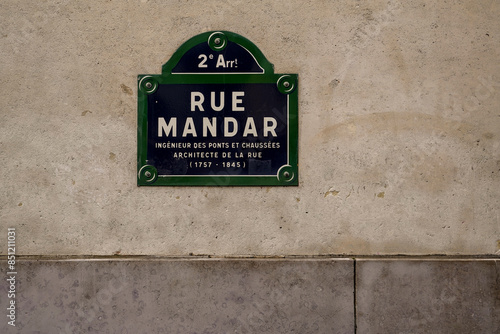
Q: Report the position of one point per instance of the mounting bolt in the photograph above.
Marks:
(147, 173)
(286, 174)
(217, 41)
(148, 85)
(286, 84)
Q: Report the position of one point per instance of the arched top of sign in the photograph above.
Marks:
(218, 52)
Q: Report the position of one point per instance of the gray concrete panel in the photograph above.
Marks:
(415, 296)
(182, 296)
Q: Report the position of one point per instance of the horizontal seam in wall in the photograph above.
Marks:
(254, 257)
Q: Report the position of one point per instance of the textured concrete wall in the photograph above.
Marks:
(427, 296)
(399, 128)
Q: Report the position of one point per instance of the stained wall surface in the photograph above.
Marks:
(183, 296)
(399, 107)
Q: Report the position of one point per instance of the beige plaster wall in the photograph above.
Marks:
(399, 129)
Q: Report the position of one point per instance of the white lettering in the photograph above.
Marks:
(250, 128)
(212, 127)
(270, 128)
(212, 101)
(197, 103)
(203, 61)
(228, 133)
(220, 61)
(237, 101)
(167, 128)
(189, 128)
(209, 127)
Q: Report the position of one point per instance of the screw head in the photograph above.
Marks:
(217, 41)
(286, 174)
(286, 84)
(148, 85)
(147, 174)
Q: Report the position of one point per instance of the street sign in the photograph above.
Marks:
(217, 116)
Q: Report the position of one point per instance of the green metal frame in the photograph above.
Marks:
(286, 83)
